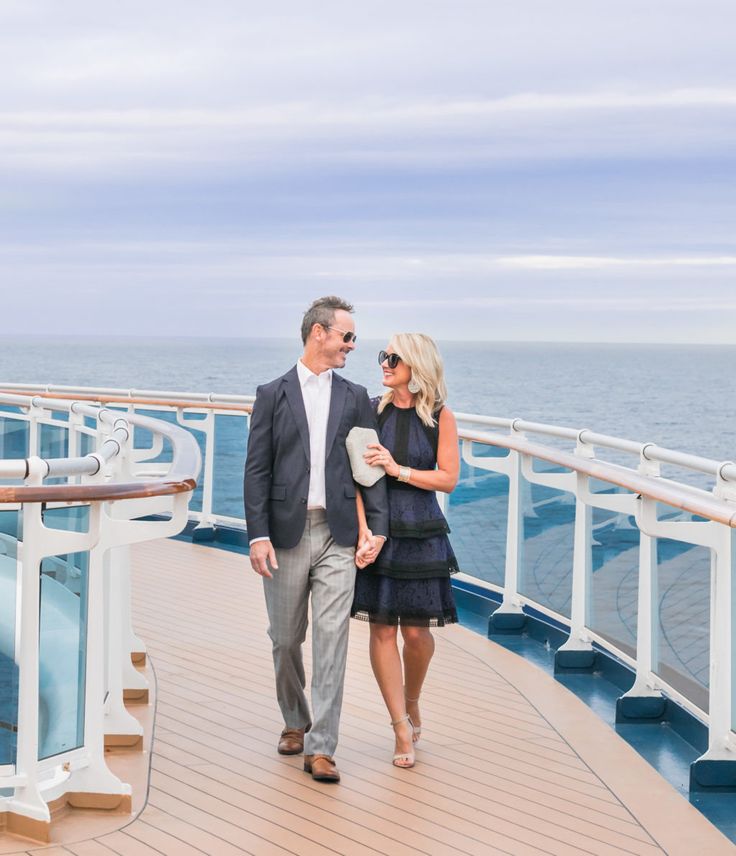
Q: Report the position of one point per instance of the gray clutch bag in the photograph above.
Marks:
(357, 444)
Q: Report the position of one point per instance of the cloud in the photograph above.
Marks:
(592, 263)
(533, 125)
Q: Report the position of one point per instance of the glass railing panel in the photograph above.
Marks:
(231, 439)
(8, 666)
(477, 513)
(87, 444)
(13, 437)
(614, 584)
(548, 518)
(53, 443)
(62, 643)
(683, 629)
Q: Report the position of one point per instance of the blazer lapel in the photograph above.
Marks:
(337, 405)
(296, 403)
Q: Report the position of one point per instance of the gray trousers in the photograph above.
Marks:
(322, 568)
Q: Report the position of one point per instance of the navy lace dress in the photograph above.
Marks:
(409, 583)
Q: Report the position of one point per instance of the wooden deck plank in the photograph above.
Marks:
(163, 842)
(125, 845)
(203, 837)
(51, 851)
(223, 822)
(89, 848)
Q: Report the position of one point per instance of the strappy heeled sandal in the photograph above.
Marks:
(404, 760)
(417, 729)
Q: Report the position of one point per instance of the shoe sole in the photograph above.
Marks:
(290, 751)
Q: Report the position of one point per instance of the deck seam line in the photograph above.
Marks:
(142, 822)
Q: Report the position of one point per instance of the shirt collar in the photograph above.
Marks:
(308, 376)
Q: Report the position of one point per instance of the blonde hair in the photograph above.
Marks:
(420, 353)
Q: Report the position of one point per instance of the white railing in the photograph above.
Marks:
(660, 508)
(46, 631)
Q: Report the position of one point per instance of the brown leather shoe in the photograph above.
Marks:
(322, 768)
(291, 741)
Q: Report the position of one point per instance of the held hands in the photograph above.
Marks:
(378, 454)
(262, 555)
(369, 546)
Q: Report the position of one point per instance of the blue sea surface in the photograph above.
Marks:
(679, 396)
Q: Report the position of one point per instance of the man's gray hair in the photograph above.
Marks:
(322, 312)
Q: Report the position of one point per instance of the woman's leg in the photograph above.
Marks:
(418, 651)
(386, 663)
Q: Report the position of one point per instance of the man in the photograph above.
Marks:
(302, 524)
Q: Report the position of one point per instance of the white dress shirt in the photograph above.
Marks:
(316, 392)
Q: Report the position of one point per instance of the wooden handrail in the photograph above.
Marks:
(95, 492)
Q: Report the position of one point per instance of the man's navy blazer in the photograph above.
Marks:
(278, 461)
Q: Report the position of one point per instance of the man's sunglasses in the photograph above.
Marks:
(347, 336)
(391, 359)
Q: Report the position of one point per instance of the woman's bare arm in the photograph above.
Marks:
(445, 476)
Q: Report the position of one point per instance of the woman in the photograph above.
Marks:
(408, 584)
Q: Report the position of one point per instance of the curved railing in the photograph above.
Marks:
(626, 546)
(75, 493)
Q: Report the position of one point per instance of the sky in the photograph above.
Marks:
(475, 169)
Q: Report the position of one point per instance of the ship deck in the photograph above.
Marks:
(510, 761)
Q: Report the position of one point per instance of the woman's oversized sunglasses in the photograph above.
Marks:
(392, 360)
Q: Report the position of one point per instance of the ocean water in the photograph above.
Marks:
(680, 396)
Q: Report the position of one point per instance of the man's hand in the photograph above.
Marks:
(364, 543)
(368, 550)
(262, 555)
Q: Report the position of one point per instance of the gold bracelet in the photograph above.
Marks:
(404, 474)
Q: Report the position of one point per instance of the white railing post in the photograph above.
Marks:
(644, 701)
(121, 728)
(205, 529)
(717, 766)
(509, 617)
(135, 686)
(92, 784)
(576, 652)
(34, 433)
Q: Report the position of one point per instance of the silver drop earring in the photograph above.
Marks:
(413, 386)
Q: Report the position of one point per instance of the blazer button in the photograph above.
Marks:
(303, 500)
